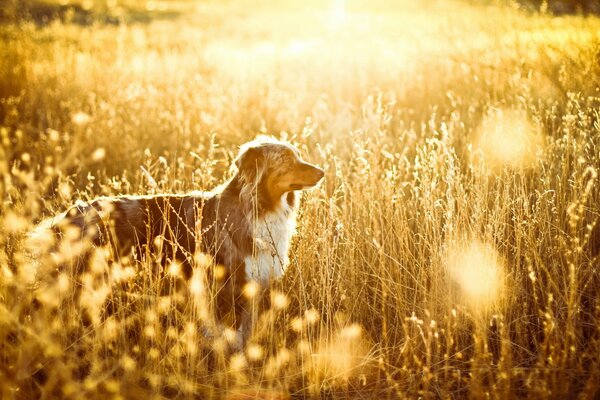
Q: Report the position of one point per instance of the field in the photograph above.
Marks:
(452, 250)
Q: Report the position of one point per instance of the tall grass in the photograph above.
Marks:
(461, 146)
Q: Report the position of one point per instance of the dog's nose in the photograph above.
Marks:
(320, 173)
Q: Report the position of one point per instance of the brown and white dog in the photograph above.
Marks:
(246, 224)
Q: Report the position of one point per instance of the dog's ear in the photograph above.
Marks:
(248, 158)
(250, 164)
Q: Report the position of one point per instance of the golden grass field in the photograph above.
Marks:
(452, 250)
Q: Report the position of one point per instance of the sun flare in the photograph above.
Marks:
(476, 268)
(508, 138)
(338, 16)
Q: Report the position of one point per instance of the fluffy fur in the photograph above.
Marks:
(245, 225)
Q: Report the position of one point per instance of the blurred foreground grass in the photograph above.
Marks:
(461, 145)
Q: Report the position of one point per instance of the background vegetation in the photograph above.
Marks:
(452, 250)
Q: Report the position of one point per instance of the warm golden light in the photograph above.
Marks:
(255, 352)
(477, 269)
(174, 269)
(451, 249)
(506, 137)
(338, 16)
(342, 356)
(99, 154)
(251, 289)
(120, 273)
(197, 284)
(279, 300)
(80, 118)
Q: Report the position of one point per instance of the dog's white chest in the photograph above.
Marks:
(272, 241)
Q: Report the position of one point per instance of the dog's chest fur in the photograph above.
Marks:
(272, 235)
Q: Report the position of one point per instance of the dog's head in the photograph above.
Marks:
(271, 165)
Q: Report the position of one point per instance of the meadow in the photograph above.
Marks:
(452, 250)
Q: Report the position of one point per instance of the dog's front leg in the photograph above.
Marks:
(245, 329)
(248, 318)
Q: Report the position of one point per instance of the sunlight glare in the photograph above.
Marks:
(477, 270)
(342, 355)
(508, 138)
(174, 269)
(251, 289)
(80, 118)
(197, 285)
(338, 16)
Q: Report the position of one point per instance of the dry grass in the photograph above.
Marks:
(452, 250)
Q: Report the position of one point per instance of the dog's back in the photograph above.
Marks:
(163, 225)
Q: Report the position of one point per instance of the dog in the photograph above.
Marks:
(245, 225)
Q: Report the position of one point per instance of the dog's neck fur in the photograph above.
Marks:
(272, 235)
(271, 224)
(251, 231)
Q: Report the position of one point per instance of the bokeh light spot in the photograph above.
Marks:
(507, 138)
(477, 269)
